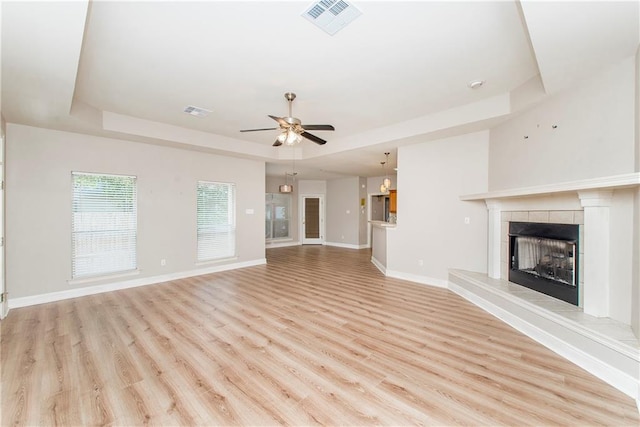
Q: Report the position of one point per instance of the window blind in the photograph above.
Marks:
(216, 224)
(104, 224)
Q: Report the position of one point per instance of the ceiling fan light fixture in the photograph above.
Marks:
(292, 137)
(292, 131)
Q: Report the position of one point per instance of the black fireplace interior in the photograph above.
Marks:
(544, 257)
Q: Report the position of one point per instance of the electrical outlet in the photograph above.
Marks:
(467, 220)
(163, 262)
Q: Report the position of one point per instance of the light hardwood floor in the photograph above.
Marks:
(317, 336)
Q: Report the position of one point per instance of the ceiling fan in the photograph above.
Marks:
(292, 128)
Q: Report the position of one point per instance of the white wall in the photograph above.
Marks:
(621, 256)
(312, 187)
(635, 291)
(4, 306)
(431, 228)
(635, 269)
(594, 137)
(343, 211)
(363, 221)
(38, 217)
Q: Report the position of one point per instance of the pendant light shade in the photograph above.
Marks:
(383, 188)
(285, 188)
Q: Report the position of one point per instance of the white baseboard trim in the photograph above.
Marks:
(114, 286)
(345, 245)
(423, 280)
(624, 382)
(281, 244)
(379, 265)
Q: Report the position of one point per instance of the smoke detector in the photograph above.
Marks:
(331, 15)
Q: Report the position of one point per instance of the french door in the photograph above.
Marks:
(312, 220)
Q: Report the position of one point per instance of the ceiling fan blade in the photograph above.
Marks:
(277, 143)
(255, 130)
(313, 138)
(318, 127)
(280, 120)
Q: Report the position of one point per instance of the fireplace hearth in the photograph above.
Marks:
(544, 257)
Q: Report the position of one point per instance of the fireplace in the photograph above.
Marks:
(544, 257)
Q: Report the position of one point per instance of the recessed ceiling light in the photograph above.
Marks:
(475, 84)
(196, 111)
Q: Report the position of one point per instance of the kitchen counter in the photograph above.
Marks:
(379, 230)
(382, 224)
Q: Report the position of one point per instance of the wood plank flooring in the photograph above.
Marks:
(316, 337)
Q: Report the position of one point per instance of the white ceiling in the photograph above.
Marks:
(396, 75)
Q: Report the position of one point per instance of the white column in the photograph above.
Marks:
(596, 259)
(493, 238)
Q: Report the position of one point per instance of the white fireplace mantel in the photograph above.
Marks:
(604, 183)
(594, 197)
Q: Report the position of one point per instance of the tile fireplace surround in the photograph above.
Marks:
(584, 334)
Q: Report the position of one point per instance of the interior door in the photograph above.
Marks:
(312, 220)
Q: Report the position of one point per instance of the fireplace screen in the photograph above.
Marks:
(548, 258)
(544, 257)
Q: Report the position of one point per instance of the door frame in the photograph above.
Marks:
(321, 213)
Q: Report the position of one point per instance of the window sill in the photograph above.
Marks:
(89, 279)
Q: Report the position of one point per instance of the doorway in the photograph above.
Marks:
(312, 220)
(378, 210)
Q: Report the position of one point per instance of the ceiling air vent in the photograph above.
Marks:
(331, 15)
(196, 111)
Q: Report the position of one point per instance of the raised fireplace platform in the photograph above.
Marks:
(606, 348)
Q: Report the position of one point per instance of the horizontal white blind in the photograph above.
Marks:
(216, 225)
(104, 224)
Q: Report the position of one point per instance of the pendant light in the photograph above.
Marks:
(386, 182)
(383, 188)
(286, 188)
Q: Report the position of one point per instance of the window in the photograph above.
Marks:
(278, 214)
(104, 224)
(216, 220)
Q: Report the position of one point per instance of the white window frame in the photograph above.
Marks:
(216, 240)
(103, 236)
